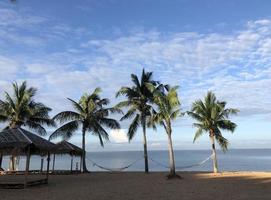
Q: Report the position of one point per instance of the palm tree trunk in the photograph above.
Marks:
(145, 148)
(12, 165)
(171, 154)
(84, 151)
(12, 161)
(212, 137)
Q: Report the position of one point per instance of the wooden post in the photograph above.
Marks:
(54, 159)
(41, 164)
(27, 166)
(71, 162)
(81, 163)
(1, 160)
(48, 166)
(12, 163)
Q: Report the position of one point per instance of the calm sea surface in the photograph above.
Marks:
(233, 160)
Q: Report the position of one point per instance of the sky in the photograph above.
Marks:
(67, 48)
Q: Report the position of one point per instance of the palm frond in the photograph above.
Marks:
(36, 127)
(130, 113)
(175, 114)
(133, 127)
(226, 125)
(135, 80)
(124, 104)
(110, 123)
(67, 116)
(198, 133)
(223, 142)
(76, 106)
(99, 131)
(65, 131)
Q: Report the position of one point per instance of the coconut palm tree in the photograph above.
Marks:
(212, 117)
(90, 115)
(168, 109)
(20, 109)
(138, 101)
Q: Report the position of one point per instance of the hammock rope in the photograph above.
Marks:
(113, 169)
(183, 167)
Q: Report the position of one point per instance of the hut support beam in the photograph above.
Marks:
(27, 166)
(48, 166)
(41, 164)
(1, 160)
(71, 162)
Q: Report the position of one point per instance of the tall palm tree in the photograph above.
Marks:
(212, 116)
(90, 115)
(138, 99)
(168, 109)
(20, 109)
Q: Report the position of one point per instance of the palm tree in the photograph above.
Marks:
(213, 116)
(138, 99)
(168, 109)
(20, 109)
(91, 116)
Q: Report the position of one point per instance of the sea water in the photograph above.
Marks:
(232, 160)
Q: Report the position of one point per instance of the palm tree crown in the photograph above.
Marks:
(168, 106)
(20, 109)
(138, 101)
(212, 116)
(89, 114)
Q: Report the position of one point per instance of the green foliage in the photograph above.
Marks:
(212, 117)
(138, 101)
(168, 106)
(89, 114)
(20, 109)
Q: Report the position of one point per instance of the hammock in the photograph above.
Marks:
(157, 162)
(113, 169)
(183, 167)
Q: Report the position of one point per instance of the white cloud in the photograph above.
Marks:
(230, 64)
(12, 18)
(8, 67)
(119, 136)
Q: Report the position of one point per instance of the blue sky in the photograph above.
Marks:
(66, 48)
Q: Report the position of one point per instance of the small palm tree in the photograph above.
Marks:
(20, 109)
(213, 116)
(168, 109)
(138, 102)
(91, 116)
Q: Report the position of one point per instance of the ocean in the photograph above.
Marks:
(232, 160)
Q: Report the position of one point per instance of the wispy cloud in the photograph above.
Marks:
(235, 65)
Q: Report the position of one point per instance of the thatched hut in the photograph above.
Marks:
(65, 147)
(20, 142)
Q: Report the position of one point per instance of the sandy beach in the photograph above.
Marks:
(137, 185)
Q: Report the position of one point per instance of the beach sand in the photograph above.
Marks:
(154, 186)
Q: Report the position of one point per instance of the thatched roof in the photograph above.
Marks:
(65, 147)
(18, 140)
